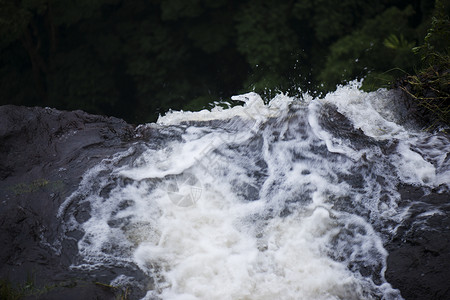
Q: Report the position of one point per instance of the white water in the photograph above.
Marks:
(259, 201)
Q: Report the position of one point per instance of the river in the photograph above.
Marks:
(291, 199)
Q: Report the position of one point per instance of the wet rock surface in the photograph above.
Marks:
(43, 155)
(419, 253)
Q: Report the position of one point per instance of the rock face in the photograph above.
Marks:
(44, 153)
(419, 253)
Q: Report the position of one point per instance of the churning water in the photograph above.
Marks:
(293, 199)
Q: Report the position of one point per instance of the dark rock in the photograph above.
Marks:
(77, 291)
(338, 125)
(419, 253)
(43, 154)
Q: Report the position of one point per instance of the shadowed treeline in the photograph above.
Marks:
(136, 59)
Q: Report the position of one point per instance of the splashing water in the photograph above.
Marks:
(287, 200)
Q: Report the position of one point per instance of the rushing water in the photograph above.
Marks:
(293, 199)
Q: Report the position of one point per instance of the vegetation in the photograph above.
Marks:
(136, 59)
(121, 293)
(29, 289)
(8, 291)
(35, 185)
(428, 90)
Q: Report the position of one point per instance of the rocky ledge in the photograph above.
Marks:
(43, 154)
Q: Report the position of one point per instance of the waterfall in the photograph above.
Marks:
(291, 199)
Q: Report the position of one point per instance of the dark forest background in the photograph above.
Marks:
(136, 59)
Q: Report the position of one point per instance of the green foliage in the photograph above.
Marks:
(35, 185)
(29, 289)
(121, 293)
(137, 59)
(330, 20)
(9, 291)
(69, 12)
(174, 9)
(437, 41)
(373, 48)
(211, 38)
(269, 44)
(263, 34)
(13, 22)
(429, 88)
(398, 43)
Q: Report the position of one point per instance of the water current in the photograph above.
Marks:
(291, 199)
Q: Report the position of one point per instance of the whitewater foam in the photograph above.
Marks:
(267, 202)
